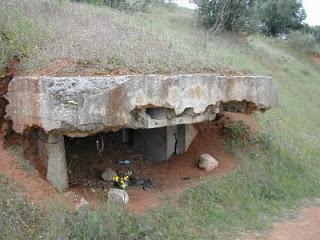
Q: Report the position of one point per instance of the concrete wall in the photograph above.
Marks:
(159, 144)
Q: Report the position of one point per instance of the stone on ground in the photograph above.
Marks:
(108, 175)
(207, 162)
(82, 205)
(118, 195)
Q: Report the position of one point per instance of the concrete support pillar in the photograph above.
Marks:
(126, 136)
(156, 144)
(42, 147)
(185, 135)
(57, 173)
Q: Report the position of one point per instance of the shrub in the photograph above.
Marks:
(280, 16)
(230, 15)
(271, 17)
(301, 42)
(316, 33)
(239, 136)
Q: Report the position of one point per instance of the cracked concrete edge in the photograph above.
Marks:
(80, 106)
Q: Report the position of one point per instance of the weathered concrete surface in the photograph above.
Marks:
(57, 164)
(155, 144)
(185, 136)
(80, 106)
(159, 144)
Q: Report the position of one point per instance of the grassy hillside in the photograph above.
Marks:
(166, 39)
(280, 170)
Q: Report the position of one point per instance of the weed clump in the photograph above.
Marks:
(239, 136)
(20, 36)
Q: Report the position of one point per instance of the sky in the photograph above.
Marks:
(312, 8)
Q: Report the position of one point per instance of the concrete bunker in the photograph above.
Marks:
(151, 113)
(56, 151)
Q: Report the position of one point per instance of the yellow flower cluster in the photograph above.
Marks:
(122, 181)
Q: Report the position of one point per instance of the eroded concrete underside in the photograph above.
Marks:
(158, 110)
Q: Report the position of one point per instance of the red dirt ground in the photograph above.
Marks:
(37, 190)
(304, 227)
(168, 177)
(316, 57)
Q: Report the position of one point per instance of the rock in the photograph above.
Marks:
(82, 205)
(207, 162)
(108, 175)
(118, 195)
(82, 106)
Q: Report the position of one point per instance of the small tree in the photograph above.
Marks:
(230, 15)
(280, 16)
(316, 33)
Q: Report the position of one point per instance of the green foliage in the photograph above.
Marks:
(316, 33)
(280, 16)
(271, 17)
(237, 134)
(302, 42)
(230, 15)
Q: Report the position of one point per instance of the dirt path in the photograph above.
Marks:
(305, 227)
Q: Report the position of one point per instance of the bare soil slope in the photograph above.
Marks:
(305, 227)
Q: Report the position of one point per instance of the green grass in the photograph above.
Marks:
(20, 36)
(164, 40)
(21, 220)
(278, 172)
(270, 181)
